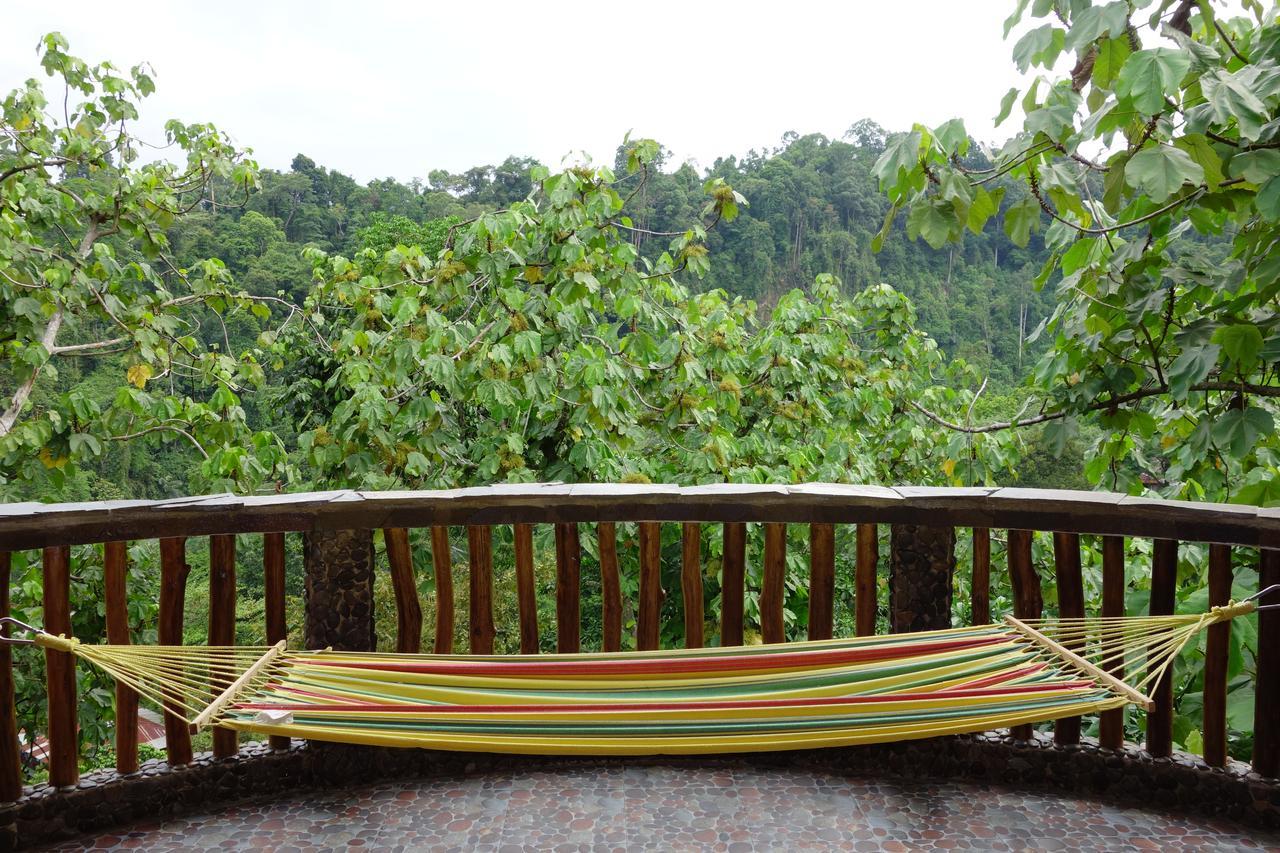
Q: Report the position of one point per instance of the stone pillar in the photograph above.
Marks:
(922, 560)
(339, 590)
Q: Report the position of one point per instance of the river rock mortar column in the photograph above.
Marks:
(922, 561)
(339, 590)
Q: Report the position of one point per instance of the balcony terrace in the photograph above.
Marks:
(1029, 788)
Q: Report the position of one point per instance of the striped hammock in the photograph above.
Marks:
(754, 698)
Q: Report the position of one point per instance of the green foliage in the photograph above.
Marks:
(86, 271)
(537, 343)
(1163, 246)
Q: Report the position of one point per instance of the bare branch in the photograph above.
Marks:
(1100, 405)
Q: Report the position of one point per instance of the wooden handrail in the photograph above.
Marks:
(36, 525)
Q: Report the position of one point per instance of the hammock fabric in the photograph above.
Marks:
(754, 698)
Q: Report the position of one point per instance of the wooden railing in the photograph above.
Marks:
(570, 508)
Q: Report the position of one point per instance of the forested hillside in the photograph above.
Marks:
(813, 207)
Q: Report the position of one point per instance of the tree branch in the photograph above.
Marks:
(20, 397)
(81, 349)
(1109, 403)
(9, 173)
(162, 428)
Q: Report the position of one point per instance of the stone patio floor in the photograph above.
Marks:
(617, 805)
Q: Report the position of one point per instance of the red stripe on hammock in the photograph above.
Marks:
(998, 678)
(778, 660)
(676, 706)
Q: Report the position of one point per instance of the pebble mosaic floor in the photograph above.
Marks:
(630, 806)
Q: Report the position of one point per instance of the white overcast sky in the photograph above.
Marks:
(379, 89)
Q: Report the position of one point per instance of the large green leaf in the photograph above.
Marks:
(933, 220)
(1149, 76)
(1109, 60)
(1191, 367)
(1090, 23)
(1242, 343)
(1268, 199)
(983, 207)
(1161, 171)
(1256, 166)
(1040, 46)
(901, 153)
(1006, 105)
(1020, 218)
(1240, 705)
(1238, 430)
(952, 136)
(1230, 96)
(1199, 149)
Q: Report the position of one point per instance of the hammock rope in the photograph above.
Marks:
(782, 696)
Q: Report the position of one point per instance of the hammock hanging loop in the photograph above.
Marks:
(1232, 609)
(18, 623)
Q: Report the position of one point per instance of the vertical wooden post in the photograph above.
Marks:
(115, 566)
(1217, 644)
(1164, 583)
(1111, 723)
(64, 751)
(480, 553)
(526, 594)
(773, 590)
(1028, 603)
(442, 564)
(1070, 583)
(568, 589)
(222, 624)
(610, 587)
(980, 588)
(1266, 718)
(865, 591)
(733, 581)
(649, 617)
(173, 596)
(273, 583)
(10, 759)
(822, 580)
(405, 588)
(691, 583)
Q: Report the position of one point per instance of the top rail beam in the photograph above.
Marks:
(36, 525)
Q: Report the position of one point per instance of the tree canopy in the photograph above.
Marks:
(1152, 168)
(537, 342)
(86, 271)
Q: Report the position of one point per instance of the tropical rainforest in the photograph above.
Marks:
(1089, 303)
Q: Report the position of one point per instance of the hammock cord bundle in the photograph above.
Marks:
(783, 696)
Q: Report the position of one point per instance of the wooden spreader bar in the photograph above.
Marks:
(1100, 675)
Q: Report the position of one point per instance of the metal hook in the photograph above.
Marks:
(1273, 588)
(13, 641)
